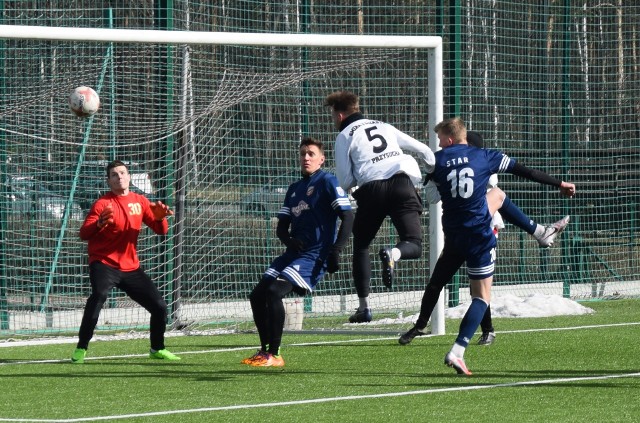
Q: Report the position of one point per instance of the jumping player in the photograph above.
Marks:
(545, 235)
(466, 220)
(369, 155)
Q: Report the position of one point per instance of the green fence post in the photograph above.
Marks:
(4, 312)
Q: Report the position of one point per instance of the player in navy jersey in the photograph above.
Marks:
(307, 225)
(461, 174)
(369, 156)
(512, 214)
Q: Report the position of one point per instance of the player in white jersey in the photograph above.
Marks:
(369, 155)
(467, 213)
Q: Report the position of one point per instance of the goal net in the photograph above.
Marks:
(208, 123)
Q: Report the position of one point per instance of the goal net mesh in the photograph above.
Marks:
(211, 130)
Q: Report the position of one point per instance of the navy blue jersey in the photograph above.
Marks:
(461, 174)
(311, 204)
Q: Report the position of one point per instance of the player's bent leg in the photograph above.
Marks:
(495, 198)
(103, 278)
(275, 293)
(258, 301)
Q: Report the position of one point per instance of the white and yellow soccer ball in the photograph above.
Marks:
(84, 101)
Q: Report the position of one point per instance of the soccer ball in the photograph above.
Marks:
(84, 101)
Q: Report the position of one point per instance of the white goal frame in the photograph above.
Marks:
(434, 70)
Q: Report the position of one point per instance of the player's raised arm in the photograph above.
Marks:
(566, 188)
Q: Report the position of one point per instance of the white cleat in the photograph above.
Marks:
(457, 363)
(551, 232)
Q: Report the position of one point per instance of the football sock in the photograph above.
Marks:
(471, 321)
(514, 215)
(486, 324)
(395, 254)
(364, 303)
(458, 350)
(539, 231)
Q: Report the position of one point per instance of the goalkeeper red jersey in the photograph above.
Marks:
(116, 244)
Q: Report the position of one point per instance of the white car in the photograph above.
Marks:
(27, 198)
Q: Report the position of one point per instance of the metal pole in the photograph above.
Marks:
(4, 204)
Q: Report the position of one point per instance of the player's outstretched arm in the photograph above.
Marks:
(160, 210)
(566, 188)
(156, 220)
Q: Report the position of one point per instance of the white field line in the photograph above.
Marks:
(300, 344)
(325, 400)
(320, 400)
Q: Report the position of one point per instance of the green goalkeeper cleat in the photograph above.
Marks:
(78, 356)
(163, 355)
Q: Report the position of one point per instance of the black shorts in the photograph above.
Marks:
(395, 197)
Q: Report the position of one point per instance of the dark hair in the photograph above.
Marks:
(115, 163)
(312, 141)
(343, 101)
(475, 139)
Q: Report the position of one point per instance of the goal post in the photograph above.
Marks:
(212, 121)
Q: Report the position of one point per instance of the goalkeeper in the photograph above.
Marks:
(111, 228)
(307, 224)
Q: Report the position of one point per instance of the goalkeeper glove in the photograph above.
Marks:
(333, 261)
(160, 210)
(106, 217)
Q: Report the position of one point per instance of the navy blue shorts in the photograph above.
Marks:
(303, 271)
(478, 250)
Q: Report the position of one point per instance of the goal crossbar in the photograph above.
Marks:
(220, 38)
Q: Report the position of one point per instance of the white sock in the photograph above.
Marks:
(395, 254)
(539, 231)
(364, 303)
(458, 350)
